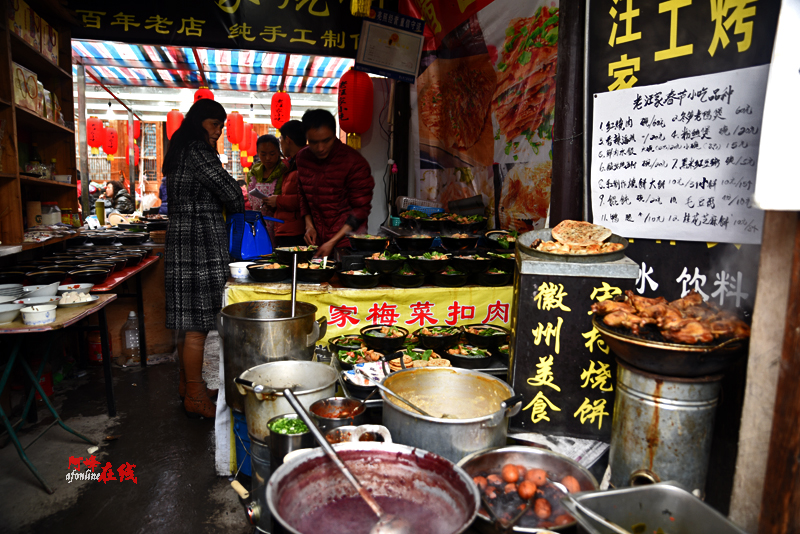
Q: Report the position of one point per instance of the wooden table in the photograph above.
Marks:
(118, 277)
(65, 317)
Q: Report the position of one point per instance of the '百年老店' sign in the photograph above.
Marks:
(678, 160)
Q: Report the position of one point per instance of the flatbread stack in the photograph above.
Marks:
(580, 233)
(578, 237)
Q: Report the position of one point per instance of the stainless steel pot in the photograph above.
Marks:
(263, 331)
(472, 397)
(326, 413)
(262, 386)
(310, 481)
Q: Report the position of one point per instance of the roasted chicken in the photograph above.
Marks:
(688, 320)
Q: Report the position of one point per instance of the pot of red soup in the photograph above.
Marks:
(308, 494)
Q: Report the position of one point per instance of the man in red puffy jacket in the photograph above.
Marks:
(336, 184)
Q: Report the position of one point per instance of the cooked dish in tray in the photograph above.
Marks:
(688, 320)
(578, 237)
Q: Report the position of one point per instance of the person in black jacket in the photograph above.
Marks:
(117, 199)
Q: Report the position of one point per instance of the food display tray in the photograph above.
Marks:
(525, 241)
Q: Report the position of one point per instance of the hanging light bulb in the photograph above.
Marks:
(252, 112)
(109, 114)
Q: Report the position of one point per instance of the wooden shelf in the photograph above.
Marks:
(7, 175)
(29, 57)
(55, 240)
(26, 117)
(47, 183)
(4, 103)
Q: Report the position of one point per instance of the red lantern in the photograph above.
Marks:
(135, 155)
(203, 92)
(174, 120)
(95, 134)
(253, 143)
(280, 109)
(355, 105)
(234, 129)
(245, 164)
(244, 144)
(137, 129)
(110, 143)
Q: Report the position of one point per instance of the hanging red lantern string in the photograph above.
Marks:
(280, 109)
(244, 144)
(355, 105)
(253, 143)
(203, 92)
(174, 120)
(234, 129)
(137, 128)
(95, 134)
(135, 155)
(245, 163)
(110, 143)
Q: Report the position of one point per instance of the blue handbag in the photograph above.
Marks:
(248, 238)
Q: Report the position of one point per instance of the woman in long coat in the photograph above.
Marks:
(196, 263)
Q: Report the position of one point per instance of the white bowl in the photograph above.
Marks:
(36, 301)
(9, 312)
(4, 299)
(63, 178)
(38, 315)
(80, 288)
(41, 291)
(239, 269)
(10, 288)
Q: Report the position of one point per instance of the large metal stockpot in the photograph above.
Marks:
(263, 331)
(662, 428)
(310, 481)
(263, 400)
(471, 397)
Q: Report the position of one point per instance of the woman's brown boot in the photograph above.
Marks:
(196, 402)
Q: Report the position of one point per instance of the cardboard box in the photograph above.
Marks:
(49, 42)
(17, 17)
(26, 87)
(48, 105)
(40, 99)
(33, 36)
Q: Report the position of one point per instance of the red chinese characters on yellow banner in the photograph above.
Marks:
(348, 311)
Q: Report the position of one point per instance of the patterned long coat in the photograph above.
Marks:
(196, 265)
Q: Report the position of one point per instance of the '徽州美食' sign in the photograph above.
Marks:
(311, 27)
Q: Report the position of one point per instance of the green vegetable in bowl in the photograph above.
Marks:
(385, 256)
(406, 270)
(433, 256)
(415, 355)
(413, 214)
(505, 241)
(495, 270)
(288, 426)
(509, 256)
(391, 331)
(451, 271)
(491, 332)
(437, 331)
(467, 351)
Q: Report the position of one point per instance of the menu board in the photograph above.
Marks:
(678, 160)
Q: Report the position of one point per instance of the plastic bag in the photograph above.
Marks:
(148, 201)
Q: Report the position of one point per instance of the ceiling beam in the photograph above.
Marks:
(179, 66)
(200, 67)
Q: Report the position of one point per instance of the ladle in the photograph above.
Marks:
(387, 523)
(294, 282)
(396, 396)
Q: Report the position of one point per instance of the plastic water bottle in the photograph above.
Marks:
(130, 340)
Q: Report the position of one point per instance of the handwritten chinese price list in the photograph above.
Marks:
(562, 366)
(678, 160)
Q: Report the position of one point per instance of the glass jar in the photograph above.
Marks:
(51, 214)
(66, 216)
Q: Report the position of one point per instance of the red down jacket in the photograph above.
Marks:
(335, 191)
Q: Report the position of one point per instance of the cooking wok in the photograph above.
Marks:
(672, 359)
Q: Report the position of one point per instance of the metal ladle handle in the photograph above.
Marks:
(294, 283)
(392, 393)
(301, 411)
